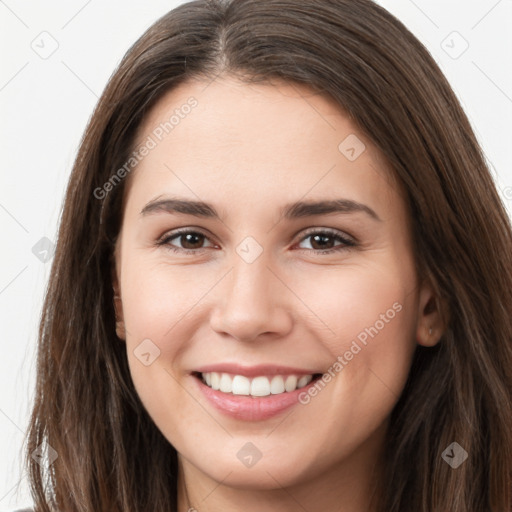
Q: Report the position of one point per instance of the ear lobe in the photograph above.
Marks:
(118, 307)
(120, 328)
(430, 325)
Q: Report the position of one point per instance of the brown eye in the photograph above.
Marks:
(323, 241)
(191, 240)
(188, 241)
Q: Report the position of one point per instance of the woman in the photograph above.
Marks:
(282, 279)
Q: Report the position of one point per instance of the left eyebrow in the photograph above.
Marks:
(294, 210)
(306, 209)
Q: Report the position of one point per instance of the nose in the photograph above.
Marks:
(252, 301)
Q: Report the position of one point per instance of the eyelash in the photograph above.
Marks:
(347, 243)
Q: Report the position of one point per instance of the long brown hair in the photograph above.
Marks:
(110, 455)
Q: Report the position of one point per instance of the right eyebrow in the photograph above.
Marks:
(185, 206)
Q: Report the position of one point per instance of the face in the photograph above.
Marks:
(269, 331)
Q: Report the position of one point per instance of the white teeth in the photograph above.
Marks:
(215, 378)
(241, 385)
(226, 384)
(277, 385)
(258, 386)
(304, 381)
(290, 383)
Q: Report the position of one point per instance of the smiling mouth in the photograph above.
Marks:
(259, 386)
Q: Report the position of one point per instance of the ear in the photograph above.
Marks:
(430, 325)
(118, 303)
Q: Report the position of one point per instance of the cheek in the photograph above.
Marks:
(157, 304)
(370, 315)
(156, 301)
(156, 296)
(359, 303)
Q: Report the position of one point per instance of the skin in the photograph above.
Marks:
(249, 150)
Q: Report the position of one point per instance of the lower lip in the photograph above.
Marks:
(247, 408)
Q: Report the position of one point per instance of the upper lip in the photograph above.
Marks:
(254, 371)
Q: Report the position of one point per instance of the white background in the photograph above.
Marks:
(45, 104)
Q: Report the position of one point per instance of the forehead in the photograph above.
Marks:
(249, 144)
